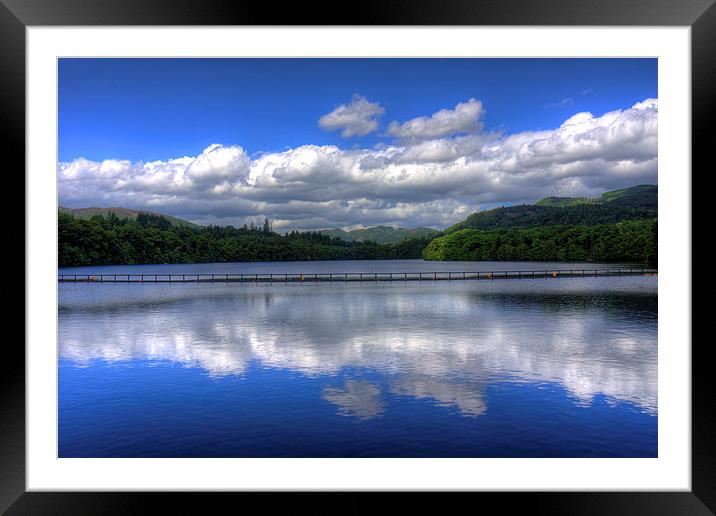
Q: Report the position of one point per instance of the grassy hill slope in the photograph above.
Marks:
(122, 213)
(644, 196)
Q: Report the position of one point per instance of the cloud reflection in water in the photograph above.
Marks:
(443, 342)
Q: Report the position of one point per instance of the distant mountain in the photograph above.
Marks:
(123, 213)
(380, 234)
(635, 203)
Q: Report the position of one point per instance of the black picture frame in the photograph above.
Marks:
(16, 15)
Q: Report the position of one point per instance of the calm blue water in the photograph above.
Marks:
(504, 368)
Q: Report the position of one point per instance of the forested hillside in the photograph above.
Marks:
(635, 203)
(618, 226)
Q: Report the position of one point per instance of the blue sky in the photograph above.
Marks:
(134, 111)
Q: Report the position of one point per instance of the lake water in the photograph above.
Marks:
(504, 368)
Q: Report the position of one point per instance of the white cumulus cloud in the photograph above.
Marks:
(435, 181)
(464, 118)
(357, 118)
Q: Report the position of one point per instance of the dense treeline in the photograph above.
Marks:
(154, 239)
(626, 241)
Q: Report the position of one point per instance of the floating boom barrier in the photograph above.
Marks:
(352, 276)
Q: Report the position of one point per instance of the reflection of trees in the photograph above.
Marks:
(616, 305)
(434, 342)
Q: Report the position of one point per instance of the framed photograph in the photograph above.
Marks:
(417, 250)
